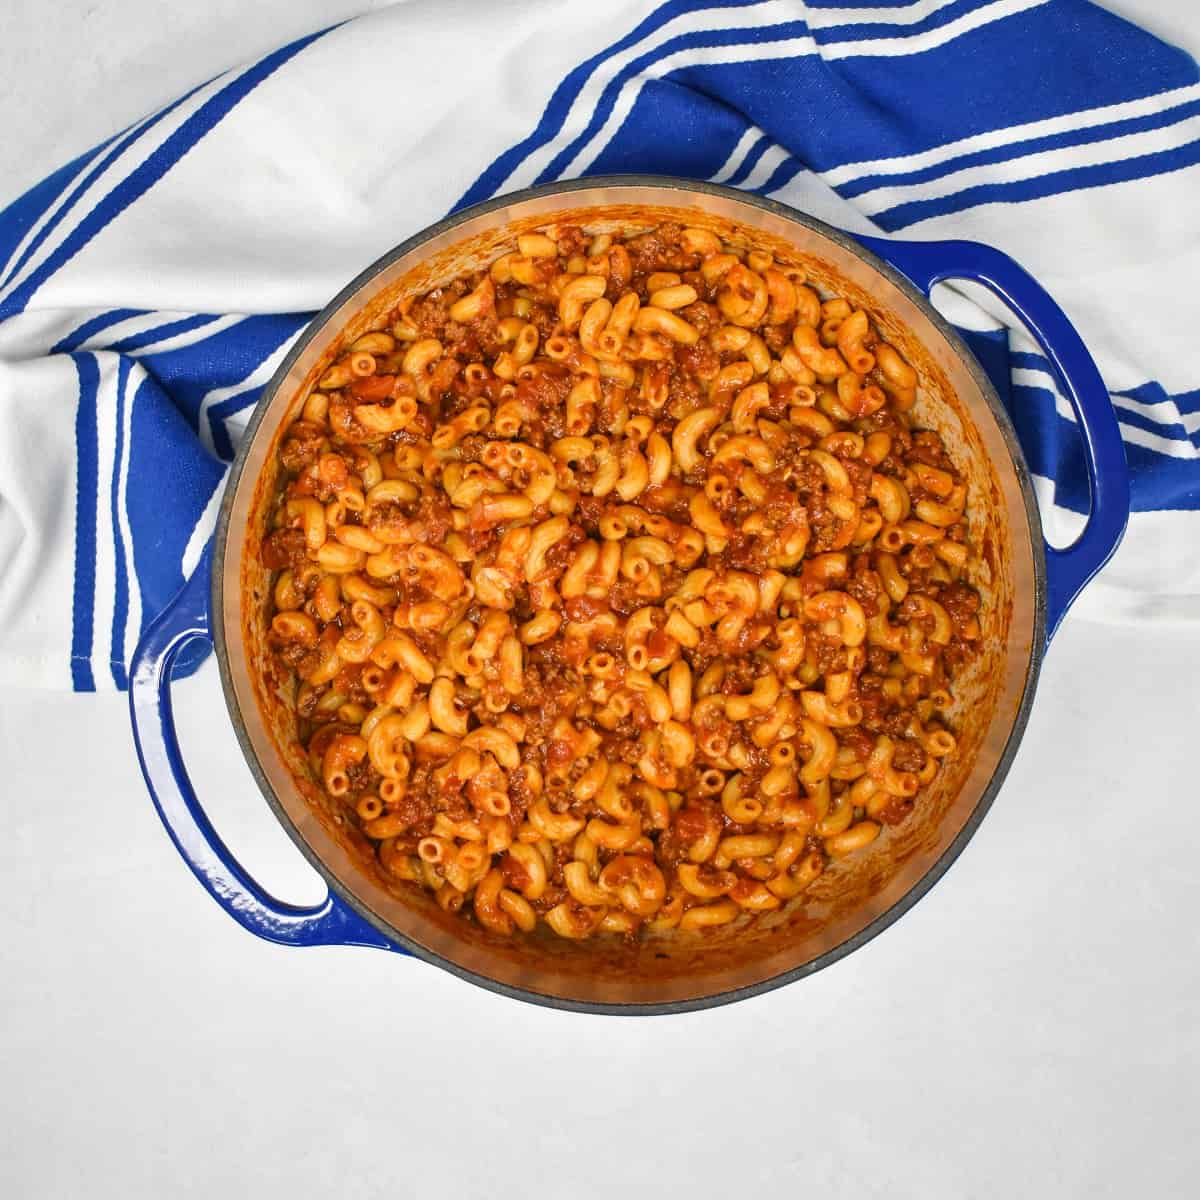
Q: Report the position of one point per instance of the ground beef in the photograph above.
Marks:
(283, 548)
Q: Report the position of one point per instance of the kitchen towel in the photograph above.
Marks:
(149, 289)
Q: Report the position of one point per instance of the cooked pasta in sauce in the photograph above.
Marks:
(620, 589)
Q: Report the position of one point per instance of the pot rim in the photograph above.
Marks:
(683, 188)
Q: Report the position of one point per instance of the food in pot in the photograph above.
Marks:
(620, 590)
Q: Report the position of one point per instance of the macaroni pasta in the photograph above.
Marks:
(620, 589)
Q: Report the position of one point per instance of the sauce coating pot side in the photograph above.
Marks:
(1026, 588)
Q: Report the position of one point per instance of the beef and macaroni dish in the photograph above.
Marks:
(620, 590)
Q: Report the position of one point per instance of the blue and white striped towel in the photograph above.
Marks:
(149, 288)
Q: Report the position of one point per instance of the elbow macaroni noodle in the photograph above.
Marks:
(620, 590)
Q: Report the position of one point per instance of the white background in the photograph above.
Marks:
(1032, 1028)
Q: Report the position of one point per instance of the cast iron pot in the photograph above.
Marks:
(1026, 585)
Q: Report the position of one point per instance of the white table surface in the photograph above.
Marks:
(1031, 1028)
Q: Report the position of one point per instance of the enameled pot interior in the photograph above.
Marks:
(858, 895)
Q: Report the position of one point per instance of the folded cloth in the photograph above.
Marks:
(150, 288)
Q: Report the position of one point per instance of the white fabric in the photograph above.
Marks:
(380, 126)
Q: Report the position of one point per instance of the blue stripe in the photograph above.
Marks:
(1154, 393)
(1015, 70)
(1074, 179)
(1031, 361)
(908, 103)
(704, 133)
(748, 163)
(705, 39)
(997, 154)
(125, 141)
(218, 414)
(87, 473)
(19, 217)
(827, 4)
(865, 30)
(1052, 449)
(559, 105)
(1151, 392)
(161, 332)
(1171, 430)
(170, 479)
(210, 113)
(1159, 483)
(722, 37)
(1052, 444)
(783, 174)
(93, 326)
(116, 655)
(223, 359)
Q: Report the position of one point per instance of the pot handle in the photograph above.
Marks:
(185, 620)
(1067, 569)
